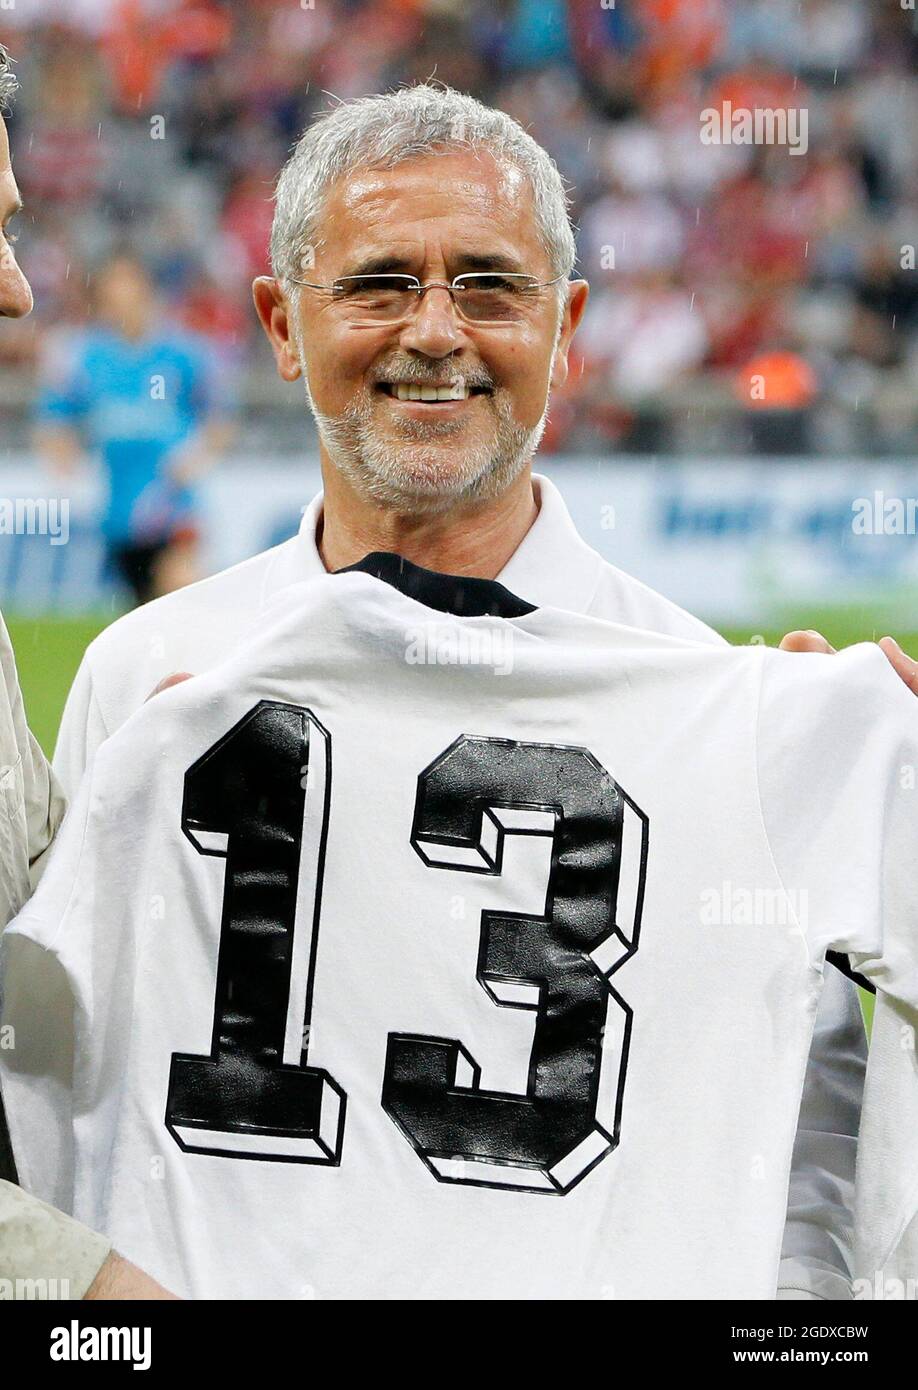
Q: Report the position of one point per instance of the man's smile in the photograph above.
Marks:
(417, 399)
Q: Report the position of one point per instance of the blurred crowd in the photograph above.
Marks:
(743, 296)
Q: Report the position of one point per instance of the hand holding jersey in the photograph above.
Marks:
(475, 955)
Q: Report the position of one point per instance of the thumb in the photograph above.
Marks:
(805, 641)
(175, 678)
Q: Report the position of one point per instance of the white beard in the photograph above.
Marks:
(407, 475)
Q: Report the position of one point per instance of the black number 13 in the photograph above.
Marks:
(260, 797)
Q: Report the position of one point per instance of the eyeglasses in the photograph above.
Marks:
(480, 297)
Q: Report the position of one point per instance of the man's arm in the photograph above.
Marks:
(118, 1278)
(199, 454)
(61, 448)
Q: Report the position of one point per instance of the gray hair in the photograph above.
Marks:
(9, 82)
(385, 130)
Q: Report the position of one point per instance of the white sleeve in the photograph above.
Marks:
(886, 1199)
(37, 1022)
(838, 786)
(82, 729)
(816, 1251)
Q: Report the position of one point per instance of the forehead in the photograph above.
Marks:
(459, 201)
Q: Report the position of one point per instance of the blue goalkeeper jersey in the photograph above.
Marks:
(134, 403)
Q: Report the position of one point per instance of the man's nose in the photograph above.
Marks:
(435, 327)
(15, 290)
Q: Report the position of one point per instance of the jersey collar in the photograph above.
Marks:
(550, 568)
(460, 594)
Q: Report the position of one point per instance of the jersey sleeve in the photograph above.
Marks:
(837, 750)
(886, 1191)
(816, 1253)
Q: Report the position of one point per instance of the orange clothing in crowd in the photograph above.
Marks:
(777, 381)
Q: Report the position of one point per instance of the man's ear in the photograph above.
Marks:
(274, 309)
(578, 292)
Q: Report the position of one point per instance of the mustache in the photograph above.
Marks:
(432, 374)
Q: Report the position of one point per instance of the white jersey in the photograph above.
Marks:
(197, 627)
(415, 955)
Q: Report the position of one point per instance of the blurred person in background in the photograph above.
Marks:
(143, 395)
(38, 1245)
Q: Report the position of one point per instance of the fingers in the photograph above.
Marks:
(807, 641)
(902, 664)
(175, 678)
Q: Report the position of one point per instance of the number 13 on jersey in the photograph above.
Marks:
(260, 797)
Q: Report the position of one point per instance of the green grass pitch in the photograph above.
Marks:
(48, 652)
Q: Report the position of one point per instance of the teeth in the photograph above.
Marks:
(408, 391)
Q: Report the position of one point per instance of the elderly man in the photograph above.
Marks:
(422, 253)
(36, 1242)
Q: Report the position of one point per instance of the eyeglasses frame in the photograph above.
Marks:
(421, 289)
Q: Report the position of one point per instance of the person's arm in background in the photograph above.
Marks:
(195, 458)
(60, 448)
(209, 408)
(62, 404)
(45, 1252)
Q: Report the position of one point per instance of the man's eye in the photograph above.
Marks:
(492, 282)
(372, 284)
(502, 285)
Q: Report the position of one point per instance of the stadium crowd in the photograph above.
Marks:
(160, 125)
